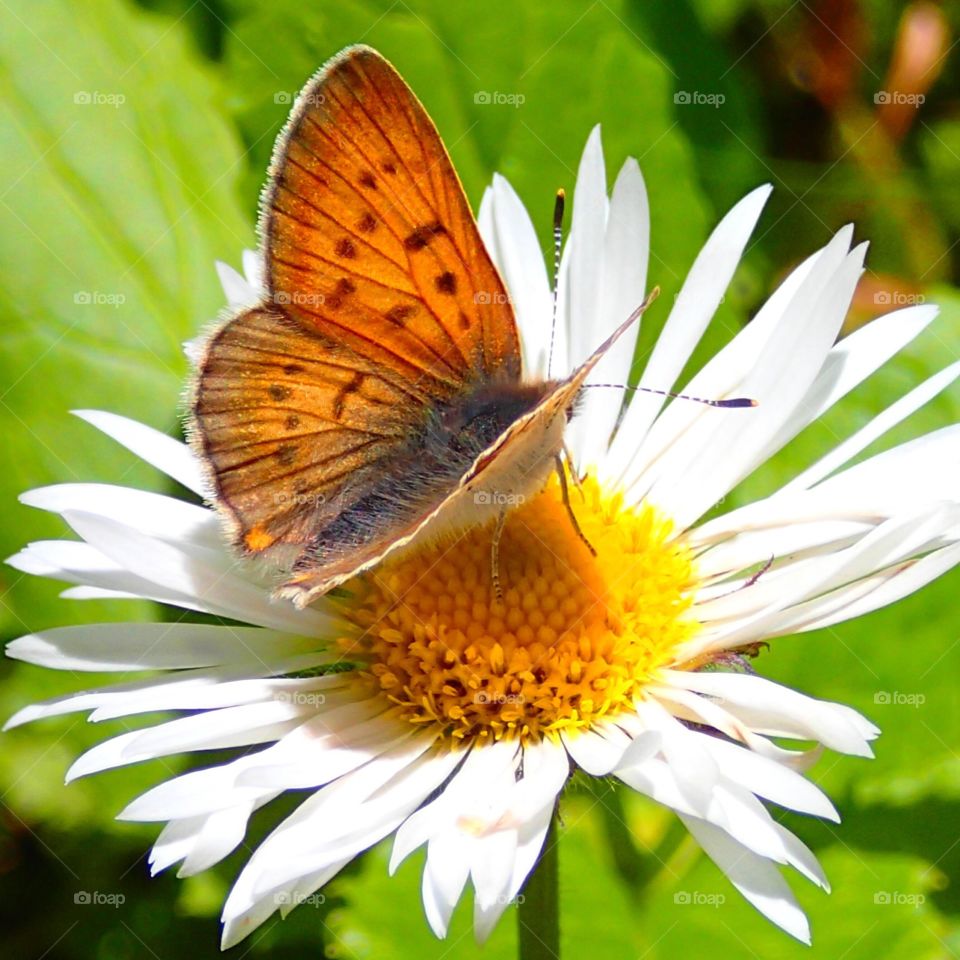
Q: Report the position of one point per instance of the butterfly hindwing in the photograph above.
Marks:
(288, 423)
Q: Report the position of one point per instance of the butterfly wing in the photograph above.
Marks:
(288, 422)
(370, 239)
(381, 303)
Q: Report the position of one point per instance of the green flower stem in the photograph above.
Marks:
(538, 911)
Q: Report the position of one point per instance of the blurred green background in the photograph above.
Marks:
(135, 137)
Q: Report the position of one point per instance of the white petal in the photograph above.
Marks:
(754, 877)
(769, 779)
(125, 647)
(191, 573)
(709, 461)
(696, 303)
(720, 377)
(585, 243)
(200, 842)
(195, 794)
(253, 270)
(891, 542)
(156, 515)
(855, 357)
(655, 778)
(371, 802)
(512, 241)
(332, 744)
(694, 770)
(202, 689)
(889, 418)
(238, 292)
(209, 730)
(597, 751)
(623, 282)
(867, 596)
(166, 454)
(100, 576)
(465, 800)
(445, 875)
(779, 711)
(491, 870)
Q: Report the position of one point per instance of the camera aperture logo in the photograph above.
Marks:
(98, 298)
(896, 698)
(301, 698)
(288, 898)
(290, 96)
(897, 298)
(498, 699)
(894, 898)
(699, 98)
(97, 898)
(496, 98)
(98, 98)
(283, 498)
(698, 898)
(898, 98)
(497, 498)
(486, 297)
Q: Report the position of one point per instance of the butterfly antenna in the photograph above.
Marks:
(731, 403)
(557, 246)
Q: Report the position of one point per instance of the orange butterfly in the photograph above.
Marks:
(376, 392)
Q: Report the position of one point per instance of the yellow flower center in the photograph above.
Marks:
(574, 639)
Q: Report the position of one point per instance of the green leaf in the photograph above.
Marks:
(879, 906)
(120, 171)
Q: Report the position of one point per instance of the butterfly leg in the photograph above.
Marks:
(565, 493)
(568, 456)
(495, 556)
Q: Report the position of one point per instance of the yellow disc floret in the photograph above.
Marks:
(574, 638)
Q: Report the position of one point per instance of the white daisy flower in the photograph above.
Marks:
(417, 705)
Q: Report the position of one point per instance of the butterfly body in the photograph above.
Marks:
(375, 395)
(429, 472)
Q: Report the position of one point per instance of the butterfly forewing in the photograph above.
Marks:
(370, 238)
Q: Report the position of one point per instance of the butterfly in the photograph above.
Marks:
(375, 395)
